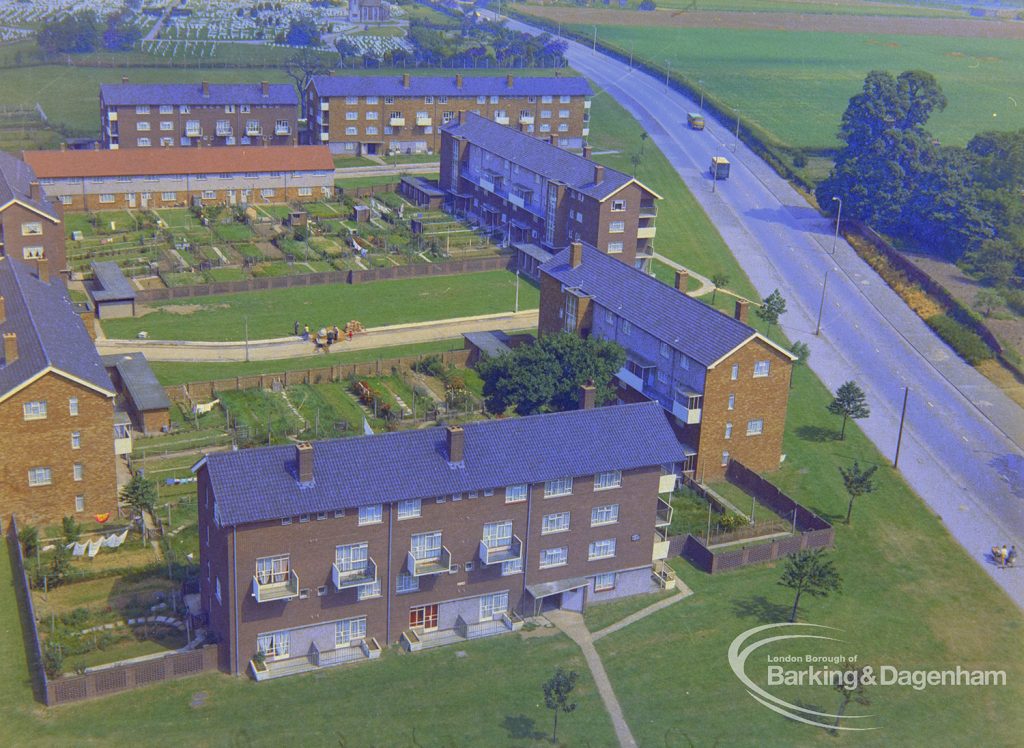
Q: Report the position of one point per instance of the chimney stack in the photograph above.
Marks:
(682, 278)
(3, 310)
(405, 80)
(588, 396)
(206, 88)
(10, 348)
(304, 460)
(508, 80)
(124, 79)
(265, 87)
(598, 173)
(456, 443)
(742, 307)
(575, 254)
(43, 269)
(35, 191)
(586, 151)
(458, 81)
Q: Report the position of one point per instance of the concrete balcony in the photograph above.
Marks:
(667, 483)
(501, 120)
(497, 554)
(663, 516)
(630, 379)
(225, 132)
(526, 120)
(253, 131)
(648, 210)
(660, 550)
(325, 136)
(193, 132)
(397, 121)
(517, 201)
(686, 406)
(325, 106)
(646, 232)
(423, 567)
(273, 591)
(424, 122)
(368, 649)
(112, 116)
(346, 578)
(282, 129)
(413, 640)
(486, 183)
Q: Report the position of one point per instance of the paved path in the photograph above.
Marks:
(353, 172)
(962, 445)
(292, 347)
(706, 286)
(683, 593)
(571, 624)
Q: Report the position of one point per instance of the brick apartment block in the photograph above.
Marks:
(183, 115)
(59, 437)
(168, 178)
(380, 115)
(725, 385)
(31, 226)
(320, 553)
(540, 197)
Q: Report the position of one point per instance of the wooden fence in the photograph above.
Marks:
(812, 531)
(27, 610)
(336, 373)
(416, 270)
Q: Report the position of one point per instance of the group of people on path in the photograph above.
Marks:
(324, 338)
(1004, 557)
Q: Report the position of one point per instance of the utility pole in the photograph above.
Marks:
(594, 48)
(701, 84)
(736, 145)
(839, 215)
(246, 338)
(517, 291)
(668, 71)
(899, 436)
(821, 306)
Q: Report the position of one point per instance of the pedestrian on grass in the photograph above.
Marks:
(350, 336)
(1011, 557)
(305, 332)
(296, 328)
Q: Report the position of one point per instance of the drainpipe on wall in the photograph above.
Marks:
(526, 546)
(234, 575)
(388, 596)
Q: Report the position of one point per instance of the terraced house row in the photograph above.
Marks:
(320, 554)
(375, 115)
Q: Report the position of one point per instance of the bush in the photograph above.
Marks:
(799, 160)
(29, 537)
(967, 343)
(53, 659)
(431, 365)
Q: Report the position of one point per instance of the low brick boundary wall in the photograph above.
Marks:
(814, 532)
(350, 277)
(336, 373)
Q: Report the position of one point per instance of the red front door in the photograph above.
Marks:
(424, 617)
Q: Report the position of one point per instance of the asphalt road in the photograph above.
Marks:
(961, 448)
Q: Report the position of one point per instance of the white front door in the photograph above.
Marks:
(131, 199)
(231, 197)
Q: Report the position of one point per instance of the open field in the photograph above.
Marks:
(796, 84)
(272, 313)
(854, 8)
(685, 234)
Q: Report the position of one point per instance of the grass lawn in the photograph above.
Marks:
(903, 577)
(685, 234)
(345, 703)
(796, 84)
(602, 615)
(271, 313)
(348, 162)
(172, 373)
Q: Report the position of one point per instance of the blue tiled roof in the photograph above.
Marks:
(154, 94)
(472, 85)
(16, 178)
(143, 388)
(688, 325)
(254, 485)
(113, 286)
(536, 155)
(49, 332)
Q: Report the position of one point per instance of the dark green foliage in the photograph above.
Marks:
(849, 402)
(29, 537)
(302, 32)
(547, 376)
(121, 32)
(76, 33)
(811, 573)
(802, 352)
(858, 483)
(72, 529)
(431, 365)
(967, 343)
(556, 695)
(851, 688)
(772, 308)
(139, 493)
(53, 659)
(60, 566)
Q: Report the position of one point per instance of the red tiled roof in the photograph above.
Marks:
(135, 161)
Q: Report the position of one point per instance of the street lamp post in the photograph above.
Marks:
(594, 48)
(668, 71)
(631, 58)
(517, 291)
(821, 306)
(736, 145)
(701, 84)
(839, 214)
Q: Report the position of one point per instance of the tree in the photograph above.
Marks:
(547, 375)
(302, 32)
(850, 685)
(720, 280)
(29, 537)
(139, 493)
(772, 308)
(301, 66)
(643, 139)
(811, 573)
(556, 695)
(987, 301)
(60, 566)
(635, 159)
(122, 31)
(858, 483)
(849, 402)
(802, 352)
(76, 33)
(72, 530)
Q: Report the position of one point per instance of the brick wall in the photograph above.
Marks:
(48, 443)
(13, 242)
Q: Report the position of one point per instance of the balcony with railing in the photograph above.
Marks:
(344, 578)
(501, 119)
(424, 122)
(499, 551)
(252, 130)
(315, 659)
(687, 404)
(648, 209)
(646, 232)
(636, 374)
(225, 131)
(663, 516)
(436, 563)
(275, 589)
(193, 131)
(526, 119)
(397, 121)
(415, 639)
(282, 129)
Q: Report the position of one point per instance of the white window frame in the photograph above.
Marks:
(142, 126)
(558, 487)
(73, 406)
(80, 503)
(369, 591)
(555, 522)
(728, 430)
(735, 372)
(608, 480)
(76, 439)
(604, 582)
(755, 427)
(762, 368)
(492, 605)
(142, 108)
(515, 566)
(273, 645)
(616, 227)
(426, 546)
(78, 471)
(32, 228)
(409, 509)
(601, 549)
(371, 514)
(40, 476)
(406, 583)
(517, 493)
(552, 557)
(497, 534)
(273, 569)
(34, 410)
(352, 556)
(608, 514)
(349, 631)
(732, 402)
